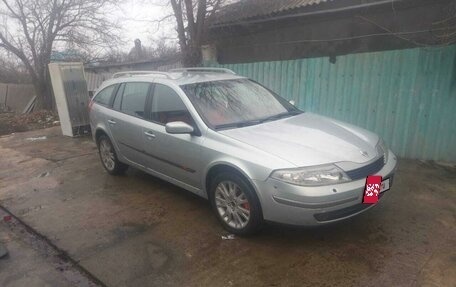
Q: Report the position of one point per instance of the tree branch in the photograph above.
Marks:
(177, 8)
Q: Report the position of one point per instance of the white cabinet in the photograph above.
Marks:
(71, 97)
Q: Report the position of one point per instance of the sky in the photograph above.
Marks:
(139, 19)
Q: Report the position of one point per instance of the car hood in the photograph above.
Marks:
(309, 139)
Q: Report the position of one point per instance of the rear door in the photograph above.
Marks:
(100, 112)
(127, 119)
(176, 156)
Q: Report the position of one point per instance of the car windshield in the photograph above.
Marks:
(237, 103)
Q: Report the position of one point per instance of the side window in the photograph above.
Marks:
(118, 98)
(167, 106)
(134, 98)
(104, 96)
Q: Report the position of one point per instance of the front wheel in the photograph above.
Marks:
(109, 158)
(235, 204)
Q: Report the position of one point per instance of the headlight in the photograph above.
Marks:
(311, 176)
(382, 149)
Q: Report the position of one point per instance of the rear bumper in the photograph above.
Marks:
(310, 206)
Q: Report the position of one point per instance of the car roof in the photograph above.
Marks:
(192, 78)
(179, 77)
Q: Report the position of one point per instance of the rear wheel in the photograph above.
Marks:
(108, 157)
(235, 204)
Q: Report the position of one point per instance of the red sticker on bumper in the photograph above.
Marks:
(372, 189)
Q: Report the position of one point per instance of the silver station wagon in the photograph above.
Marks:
(253, 154)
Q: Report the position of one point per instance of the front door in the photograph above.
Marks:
(176, 156)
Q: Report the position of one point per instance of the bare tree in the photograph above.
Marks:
(192, 19)
(160, 49)
(12, 71)
(36, 26)
(163, 49)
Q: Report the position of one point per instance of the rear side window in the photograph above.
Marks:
(134, 99)
(104, 96)
(167, 106)
(118, 99)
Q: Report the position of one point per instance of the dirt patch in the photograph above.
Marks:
(11, 122)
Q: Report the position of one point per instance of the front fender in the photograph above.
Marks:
(235, 164)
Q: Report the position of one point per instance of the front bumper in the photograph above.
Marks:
(308, 206)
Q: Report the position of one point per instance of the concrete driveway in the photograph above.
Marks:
(136, 230)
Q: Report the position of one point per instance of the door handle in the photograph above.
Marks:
(149, 134)
(111, 122)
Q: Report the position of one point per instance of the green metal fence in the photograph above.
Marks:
(406, 96)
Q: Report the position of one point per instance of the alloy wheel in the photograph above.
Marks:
(107, 154)
(232, 204)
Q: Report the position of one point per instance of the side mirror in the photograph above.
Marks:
(292, 102)
(179, 128)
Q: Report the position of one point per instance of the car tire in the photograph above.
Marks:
(108, 157)
(225, 204)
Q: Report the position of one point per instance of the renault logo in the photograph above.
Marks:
(364, 153)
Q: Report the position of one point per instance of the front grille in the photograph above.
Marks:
(366, 170)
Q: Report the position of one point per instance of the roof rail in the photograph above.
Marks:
(139, 73)
(202, 69)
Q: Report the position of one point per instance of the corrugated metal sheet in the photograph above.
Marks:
(247, 9)
(94, 80)
(406, 96)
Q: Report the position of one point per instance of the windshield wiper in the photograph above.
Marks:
(281, 115)
(238, 124)
(255, 122)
